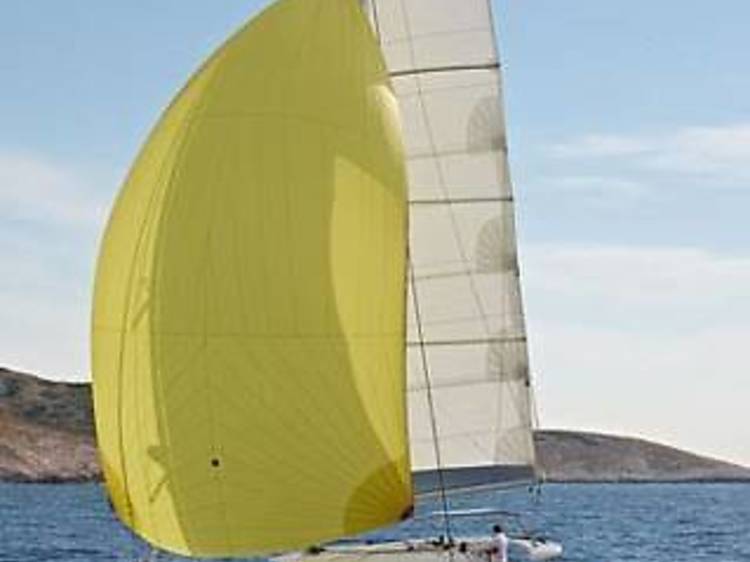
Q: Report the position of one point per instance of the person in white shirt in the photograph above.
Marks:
(499, 550)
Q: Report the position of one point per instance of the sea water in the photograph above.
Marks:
(596, 523)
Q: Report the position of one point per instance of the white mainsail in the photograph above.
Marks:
(444, 64)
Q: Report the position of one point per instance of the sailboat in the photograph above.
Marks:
(307, 305)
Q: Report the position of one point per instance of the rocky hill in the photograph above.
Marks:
(46, 435)
(46, 430)
(568, 456)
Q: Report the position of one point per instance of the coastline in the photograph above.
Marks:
(47, 437)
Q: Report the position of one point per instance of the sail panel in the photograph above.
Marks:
(426, 34)
(249, 314)
(445, 68)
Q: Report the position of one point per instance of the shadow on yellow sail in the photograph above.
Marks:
(249, 309)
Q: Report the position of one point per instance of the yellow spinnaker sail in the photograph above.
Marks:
(248, 329)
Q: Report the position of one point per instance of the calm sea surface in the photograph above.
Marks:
(596, 523)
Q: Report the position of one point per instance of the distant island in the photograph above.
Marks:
(47, 436)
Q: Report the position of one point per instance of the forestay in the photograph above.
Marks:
(444, 65)
(248, 326)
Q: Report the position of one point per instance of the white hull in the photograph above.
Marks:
(465, 549)
(535, 549)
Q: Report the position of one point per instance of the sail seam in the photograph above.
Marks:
(475, 341)
(462, 200)
(432, 34)
(443, 69)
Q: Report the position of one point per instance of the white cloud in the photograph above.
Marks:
(707, 150)
(46, 332)
(722, 152)
(596, 191)
(688, 390)
(36, 189)
(50, 222)
(44, 313)
(642, 278)
(596, 183)
(595, 145)
(644, 341)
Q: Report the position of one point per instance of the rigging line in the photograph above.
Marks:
(431, 403)
(539, 476)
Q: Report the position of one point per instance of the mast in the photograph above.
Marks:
(469, 381)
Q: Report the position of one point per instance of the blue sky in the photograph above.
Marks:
(630, 145)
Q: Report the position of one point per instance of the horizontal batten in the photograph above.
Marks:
(475, 341)
(440, 69)
(462, 200)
